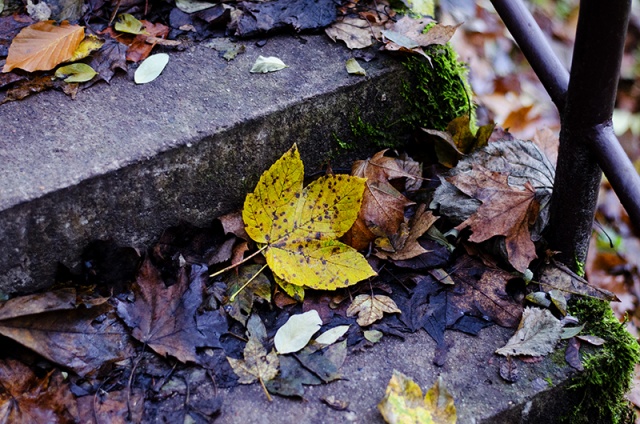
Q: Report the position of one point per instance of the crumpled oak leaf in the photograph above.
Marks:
(43, 45)
(371, 308)
(300, 226)
(403, 403)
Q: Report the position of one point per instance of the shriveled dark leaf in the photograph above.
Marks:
(167, 318)
(300, 15)
(108, 59)
(112, 407)
(292, 378)
(28, 87)
(9, 78)
(482, 292)
(82, 339)
(26, 398)
(326, 363)
(572, 354)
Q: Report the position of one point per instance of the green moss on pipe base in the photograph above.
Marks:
(599, 391)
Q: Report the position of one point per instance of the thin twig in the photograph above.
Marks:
(233, 296)
(215, 274)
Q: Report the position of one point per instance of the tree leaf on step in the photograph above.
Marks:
(151, 68)
(76, 72)
(43, 45)
(537, 335)
(267, 64)
(299, 226)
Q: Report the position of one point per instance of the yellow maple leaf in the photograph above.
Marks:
(299, 226)
(403, 403)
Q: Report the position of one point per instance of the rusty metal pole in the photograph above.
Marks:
(587, 137)
(593, 85)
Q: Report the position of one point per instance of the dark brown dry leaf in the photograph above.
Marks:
(505, 211)
(28, 87)
(112, 407)
(483, 291)
(233, 223)
(9, 78)
(82, 339)
(108, 59)
(139, 49)
(408, 247)
(38, 303)
(25, 398)
(167, 318)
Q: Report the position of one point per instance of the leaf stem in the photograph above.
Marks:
(233, 296)
(239, 263)
(266, 392)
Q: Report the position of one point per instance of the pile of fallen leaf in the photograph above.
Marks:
(280, 293)
(69, 46)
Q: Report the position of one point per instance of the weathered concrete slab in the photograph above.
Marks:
(471, 373)
(125, 161)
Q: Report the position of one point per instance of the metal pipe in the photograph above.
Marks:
(536, 48)
(596, 64)
(593, 85)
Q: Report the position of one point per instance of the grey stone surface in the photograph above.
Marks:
(471, 374)
(125, 161)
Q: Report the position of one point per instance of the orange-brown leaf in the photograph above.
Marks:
(43, 45)
(382, 205)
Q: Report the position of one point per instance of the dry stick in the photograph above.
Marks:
(215, 274)
(233, 296)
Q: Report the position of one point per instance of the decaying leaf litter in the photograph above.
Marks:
(145, 337)
(79, 47)
(422, 283)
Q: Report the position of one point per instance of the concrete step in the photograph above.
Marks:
(125, 161)
(470, 374)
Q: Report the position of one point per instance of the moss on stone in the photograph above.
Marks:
(436, 93)
(440, 91)
(599, 390)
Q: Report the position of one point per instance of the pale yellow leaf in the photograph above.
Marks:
(370, 309)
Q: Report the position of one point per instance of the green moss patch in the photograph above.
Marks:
(436, 93)
(599, 391)
(440, 91)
